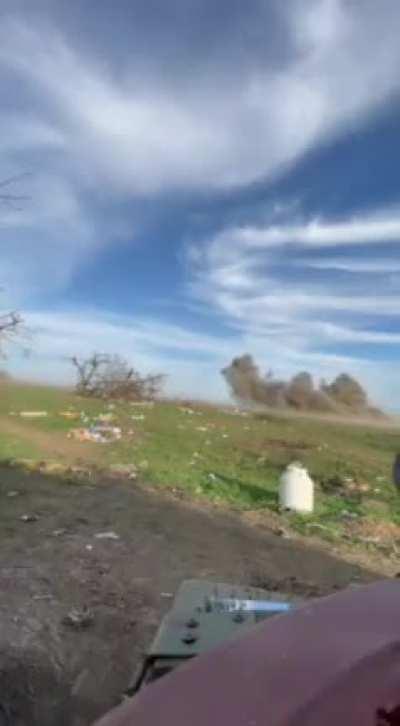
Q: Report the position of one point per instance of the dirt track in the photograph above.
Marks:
(51, 674)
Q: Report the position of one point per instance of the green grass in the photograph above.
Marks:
(237, 459)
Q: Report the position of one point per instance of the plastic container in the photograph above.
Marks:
(296, 490)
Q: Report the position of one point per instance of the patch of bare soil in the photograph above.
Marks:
(53, 672)
(56, 446)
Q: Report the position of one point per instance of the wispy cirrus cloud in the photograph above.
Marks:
(259, 279)
(144, 134)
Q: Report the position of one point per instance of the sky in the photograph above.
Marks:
(203, 179)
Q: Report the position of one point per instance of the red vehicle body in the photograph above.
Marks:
(333, 661)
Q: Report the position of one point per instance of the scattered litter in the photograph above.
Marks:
(201, 428)
(106, 535)
(167, 594)
(349, 515)
(370, 540)
(69, 414)
(282, 532)
(212, 477)
(106, 417)
(124, 470)
(147, 404)
(89, 547)
(315, 525)
(377, 490)
(33, 414)
(138, 417)
(225, 436)
(29, 518)
(98, 433)
(380, 478)
(13, 494)
(111, 406)
(78, 618)
(144, 464)
(79, 470)
(196, 454)
(59, 532)
(52, 467)
(43, 597)
(189, 411)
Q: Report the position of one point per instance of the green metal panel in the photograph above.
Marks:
(195, 624)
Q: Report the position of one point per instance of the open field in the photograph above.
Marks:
(226, 458)
(202, 504)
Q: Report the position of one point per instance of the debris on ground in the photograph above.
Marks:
(106, 417)
(33, 414)
(346, 514)
(98, 433)
(123, 470)
(146, 404)
(46, 596)
(144, 464)
(107, 535)
(202, 428)
(212, 477)
(138, 417)
(77, 470)
(282, 532)
(78, 618)
(69, 414)
(189, 411)
(13, 493)
(59, 532)
(52, 467)
(29, 518)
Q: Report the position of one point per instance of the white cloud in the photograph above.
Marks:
(43, 240)
(368, 230)
(259, 281)
(142, 135)
(351, 265)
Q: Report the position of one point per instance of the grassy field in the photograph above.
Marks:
(226, 457)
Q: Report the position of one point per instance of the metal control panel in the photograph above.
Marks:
(204, 615)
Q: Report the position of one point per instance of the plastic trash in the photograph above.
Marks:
(296, 490)
(33, 414)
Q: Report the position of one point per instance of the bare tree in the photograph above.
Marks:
(106, 376)
(10, 322)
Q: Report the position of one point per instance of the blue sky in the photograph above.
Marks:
(205, 179)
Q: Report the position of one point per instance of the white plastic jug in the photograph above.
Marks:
(296, 490)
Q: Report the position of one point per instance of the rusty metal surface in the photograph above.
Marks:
(334, 660)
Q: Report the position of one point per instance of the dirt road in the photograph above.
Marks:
(52, 674)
